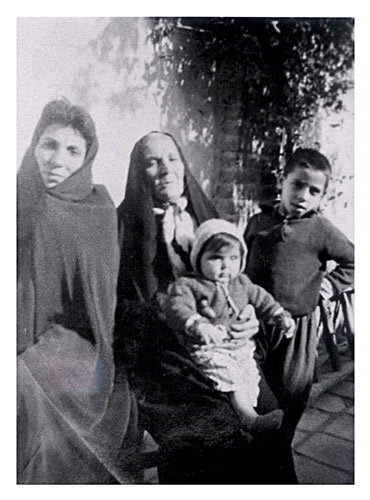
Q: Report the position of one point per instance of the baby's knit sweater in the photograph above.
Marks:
(186, 293)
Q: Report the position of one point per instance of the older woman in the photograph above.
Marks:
(195, 427)
(74, 414)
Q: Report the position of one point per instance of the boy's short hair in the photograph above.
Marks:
(308, 158)
(217, 242)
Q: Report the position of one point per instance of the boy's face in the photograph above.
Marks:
(222, 265)
(302, 190)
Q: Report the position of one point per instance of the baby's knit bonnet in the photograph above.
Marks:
(208, 229)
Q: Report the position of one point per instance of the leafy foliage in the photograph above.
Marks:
(285, 69)
(276, 73)
(292, 65)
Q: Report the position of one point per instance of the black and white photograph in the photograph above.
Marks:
(185, 250)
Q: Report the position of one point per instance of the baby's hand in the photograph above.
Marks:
(285, 322)
(289, 327)
(205, 332)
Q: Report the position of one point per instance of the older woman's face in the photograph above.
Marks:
(164, 167)
(59, 153)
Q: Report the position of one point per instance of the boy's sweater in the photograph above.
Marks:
(288, 257)
(186, 293)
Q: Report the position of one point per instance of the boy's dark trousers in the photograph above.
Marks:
(289, 365)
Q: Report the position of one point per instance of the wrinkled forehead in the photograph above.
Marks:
(66, 135)
(61, 129)
(158, 144)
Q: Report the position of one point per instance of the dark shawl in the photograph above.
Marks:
(138, 228)
(170, 388)
(195, 426)
(72, 415)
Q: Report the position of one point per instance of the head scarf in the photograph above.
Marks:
(137, 225)
(30, 186)
(68, 258)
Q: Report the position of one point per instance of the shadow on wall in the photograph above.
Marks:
(132, 88)
(113, 86)
(141, 88)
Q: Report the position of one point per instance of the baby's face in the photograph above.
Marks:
(302, 190)
(222, 265)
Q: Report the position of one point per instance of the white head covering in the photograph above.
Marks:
(208, 229)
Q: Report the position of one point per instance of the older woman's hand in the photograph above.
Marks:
(246, 327)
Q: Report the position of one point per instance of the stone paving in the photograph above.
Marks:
(324, 441)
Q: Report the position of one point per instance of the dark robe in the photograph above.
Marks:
(75, 414)
(196, 428)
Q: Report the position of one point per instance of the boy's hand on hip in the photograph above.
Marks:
(326, 290)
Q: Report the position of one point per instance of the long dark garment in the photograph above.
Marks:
(288, 257)
(289, 366)
(195, 426)
(75, 414)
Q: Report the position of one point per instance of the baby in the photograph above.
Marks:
(202, 306)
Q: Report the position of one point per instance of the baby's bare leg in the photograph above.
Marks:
(241, 404)
(250, 420)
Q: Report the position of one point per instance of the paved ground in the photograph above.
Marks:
(324, 440)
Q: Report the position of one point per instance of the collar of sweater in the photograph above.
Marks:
(279, 209)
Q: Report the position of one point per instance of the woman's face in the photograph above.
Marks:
(164, 167)
(59, 153)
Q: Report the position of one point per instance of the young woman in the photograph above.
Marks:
(75, 414)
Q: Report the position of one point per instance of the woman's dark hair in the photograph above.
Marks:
(216, 242)
(69, 115)
(308, 158)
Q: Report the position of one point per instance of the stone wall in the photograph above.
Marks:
(247, 170)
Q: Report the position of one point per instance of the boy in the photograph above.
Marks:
(289, 246)
(202, 306)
